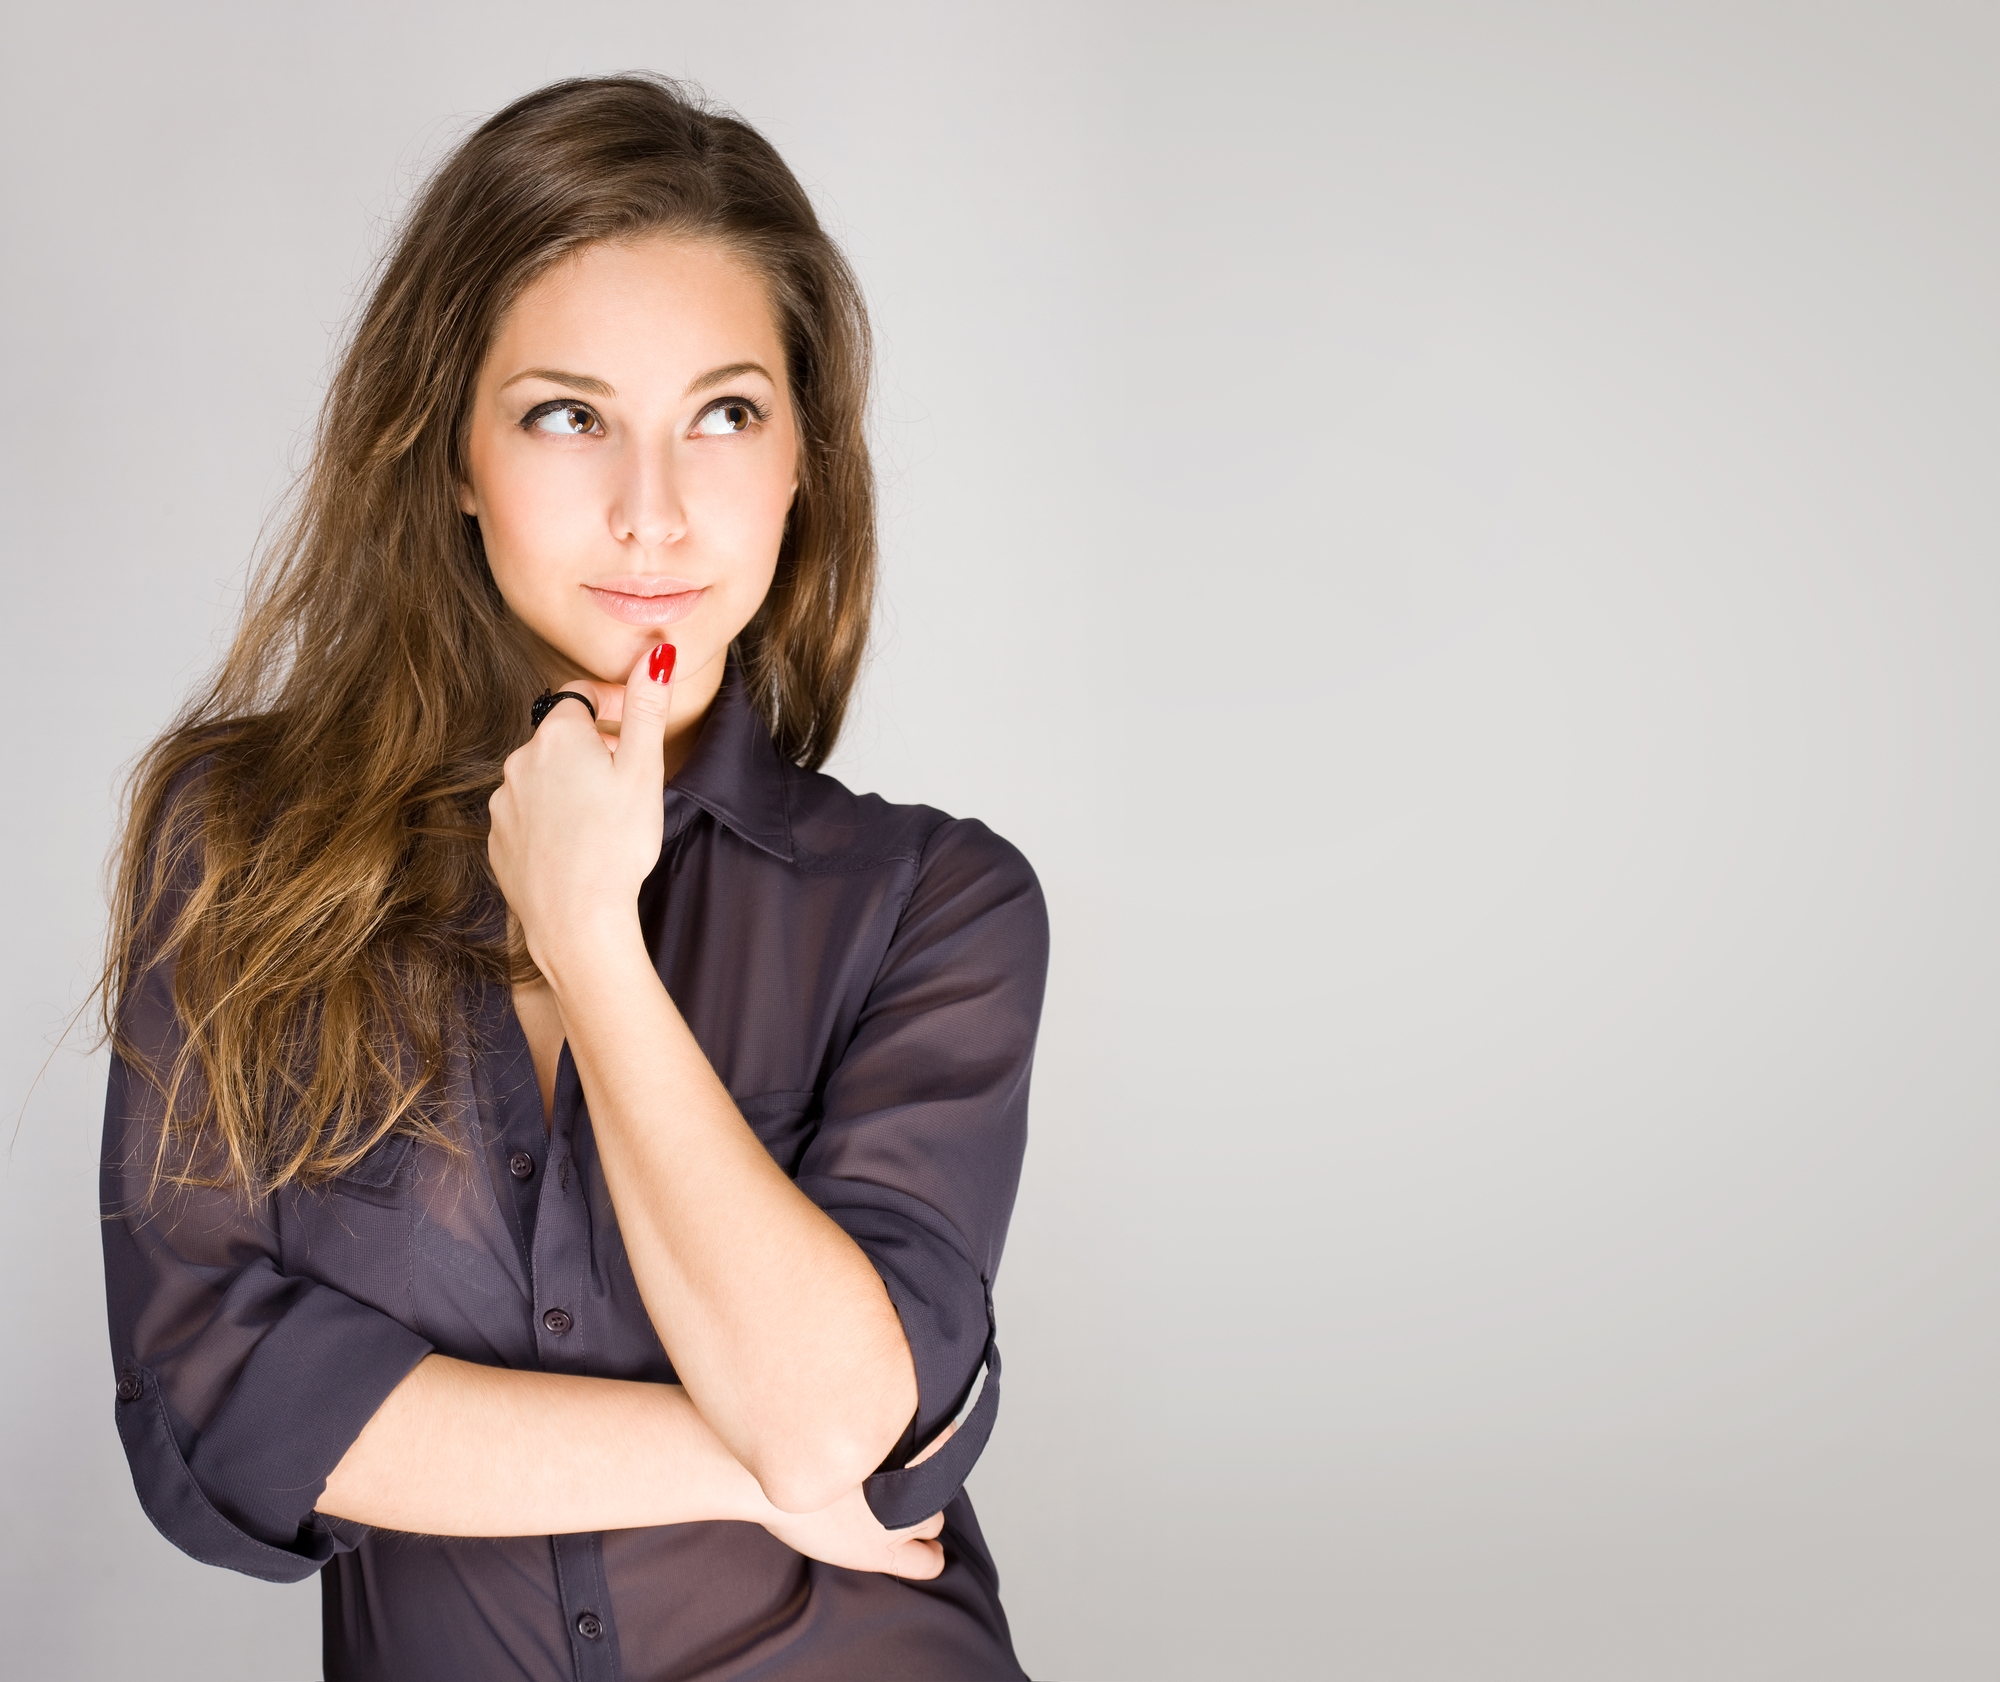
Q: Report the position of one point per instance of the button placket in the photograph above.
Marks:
(562, 1275)
(511, 1096)
(562, 1267)
(593, 1643)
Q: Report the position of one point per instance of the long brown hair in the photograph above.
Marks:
(306, 842)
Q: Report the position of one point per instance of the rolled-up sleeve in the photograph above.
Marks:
(918, 1152)
(239, 1387)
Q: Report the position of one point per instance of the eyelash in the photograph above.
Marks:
(757, 410)
(540, 409)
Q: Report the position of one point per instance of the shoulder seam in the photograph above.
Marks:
(904, 848)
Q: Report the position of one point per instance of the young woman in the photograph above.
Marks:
(558, 1151)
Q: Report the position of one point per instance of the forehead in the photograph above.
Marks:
(662, 306)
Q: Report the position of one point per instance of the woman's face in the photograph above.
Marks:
(632, 455)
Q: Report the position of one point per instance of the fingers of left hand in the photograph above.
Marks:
(919, 1561)
(921, 1532)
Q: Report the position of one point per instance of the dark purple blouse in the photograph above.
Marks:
(867, 980)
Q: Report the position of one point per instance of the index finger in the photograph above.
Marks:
(607, 698)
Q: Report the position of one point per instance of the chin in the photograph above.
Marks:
(615, 665)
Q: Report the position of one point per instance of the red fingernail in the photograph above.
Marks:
(660, 666)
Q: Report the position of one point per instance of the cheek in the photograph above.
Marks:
(530, 516)
(743, 510)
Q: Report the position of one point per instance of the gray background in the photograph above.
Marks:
(1461, 541)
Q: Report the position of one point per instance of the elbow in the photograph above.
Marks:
(812, 1481)
(804, 1490)
(821, 1452)
(817, 1467)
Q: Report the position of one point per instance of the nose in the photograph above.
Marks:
(647, 509)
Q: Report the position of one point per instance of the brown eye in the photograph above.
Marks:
(564, 420)
(732, 415)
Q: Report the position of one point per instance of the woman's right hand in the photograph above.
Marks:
(849, 1534)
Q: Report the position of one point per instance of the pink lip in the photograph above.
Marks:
(646, 601)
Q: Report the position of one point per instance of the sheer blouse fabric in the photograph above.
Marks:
(867, 981)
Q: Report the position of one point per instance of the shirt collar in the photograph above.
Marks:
(734, 773)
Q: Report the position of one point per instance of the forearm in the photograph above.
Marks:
(777, 1323)
(463, 1450)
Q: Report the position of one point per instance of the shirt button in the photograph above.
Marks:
(558, 1321)
(129, 1387)
(589, 1625)
(521, 1165)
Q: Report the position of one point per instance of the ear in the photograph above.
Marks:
(468, 503)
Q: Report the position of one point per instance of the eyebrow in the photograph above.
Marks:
(715, 376)
(556, 376)
(599, 388)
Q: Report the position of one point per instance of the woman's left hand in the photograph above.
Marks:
(848, 1534)
(577, 819)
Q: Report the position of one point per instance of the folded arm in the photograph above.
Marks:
(775, 1319)
(463, 1450)
(778, 1324)
(458, 1449)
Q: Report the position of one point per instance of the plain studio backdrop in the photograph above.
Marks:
(1461, 540)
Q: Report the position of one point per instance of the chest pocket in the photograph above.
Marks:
(785, 1122)
(382, 1176)
(353, 1233)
